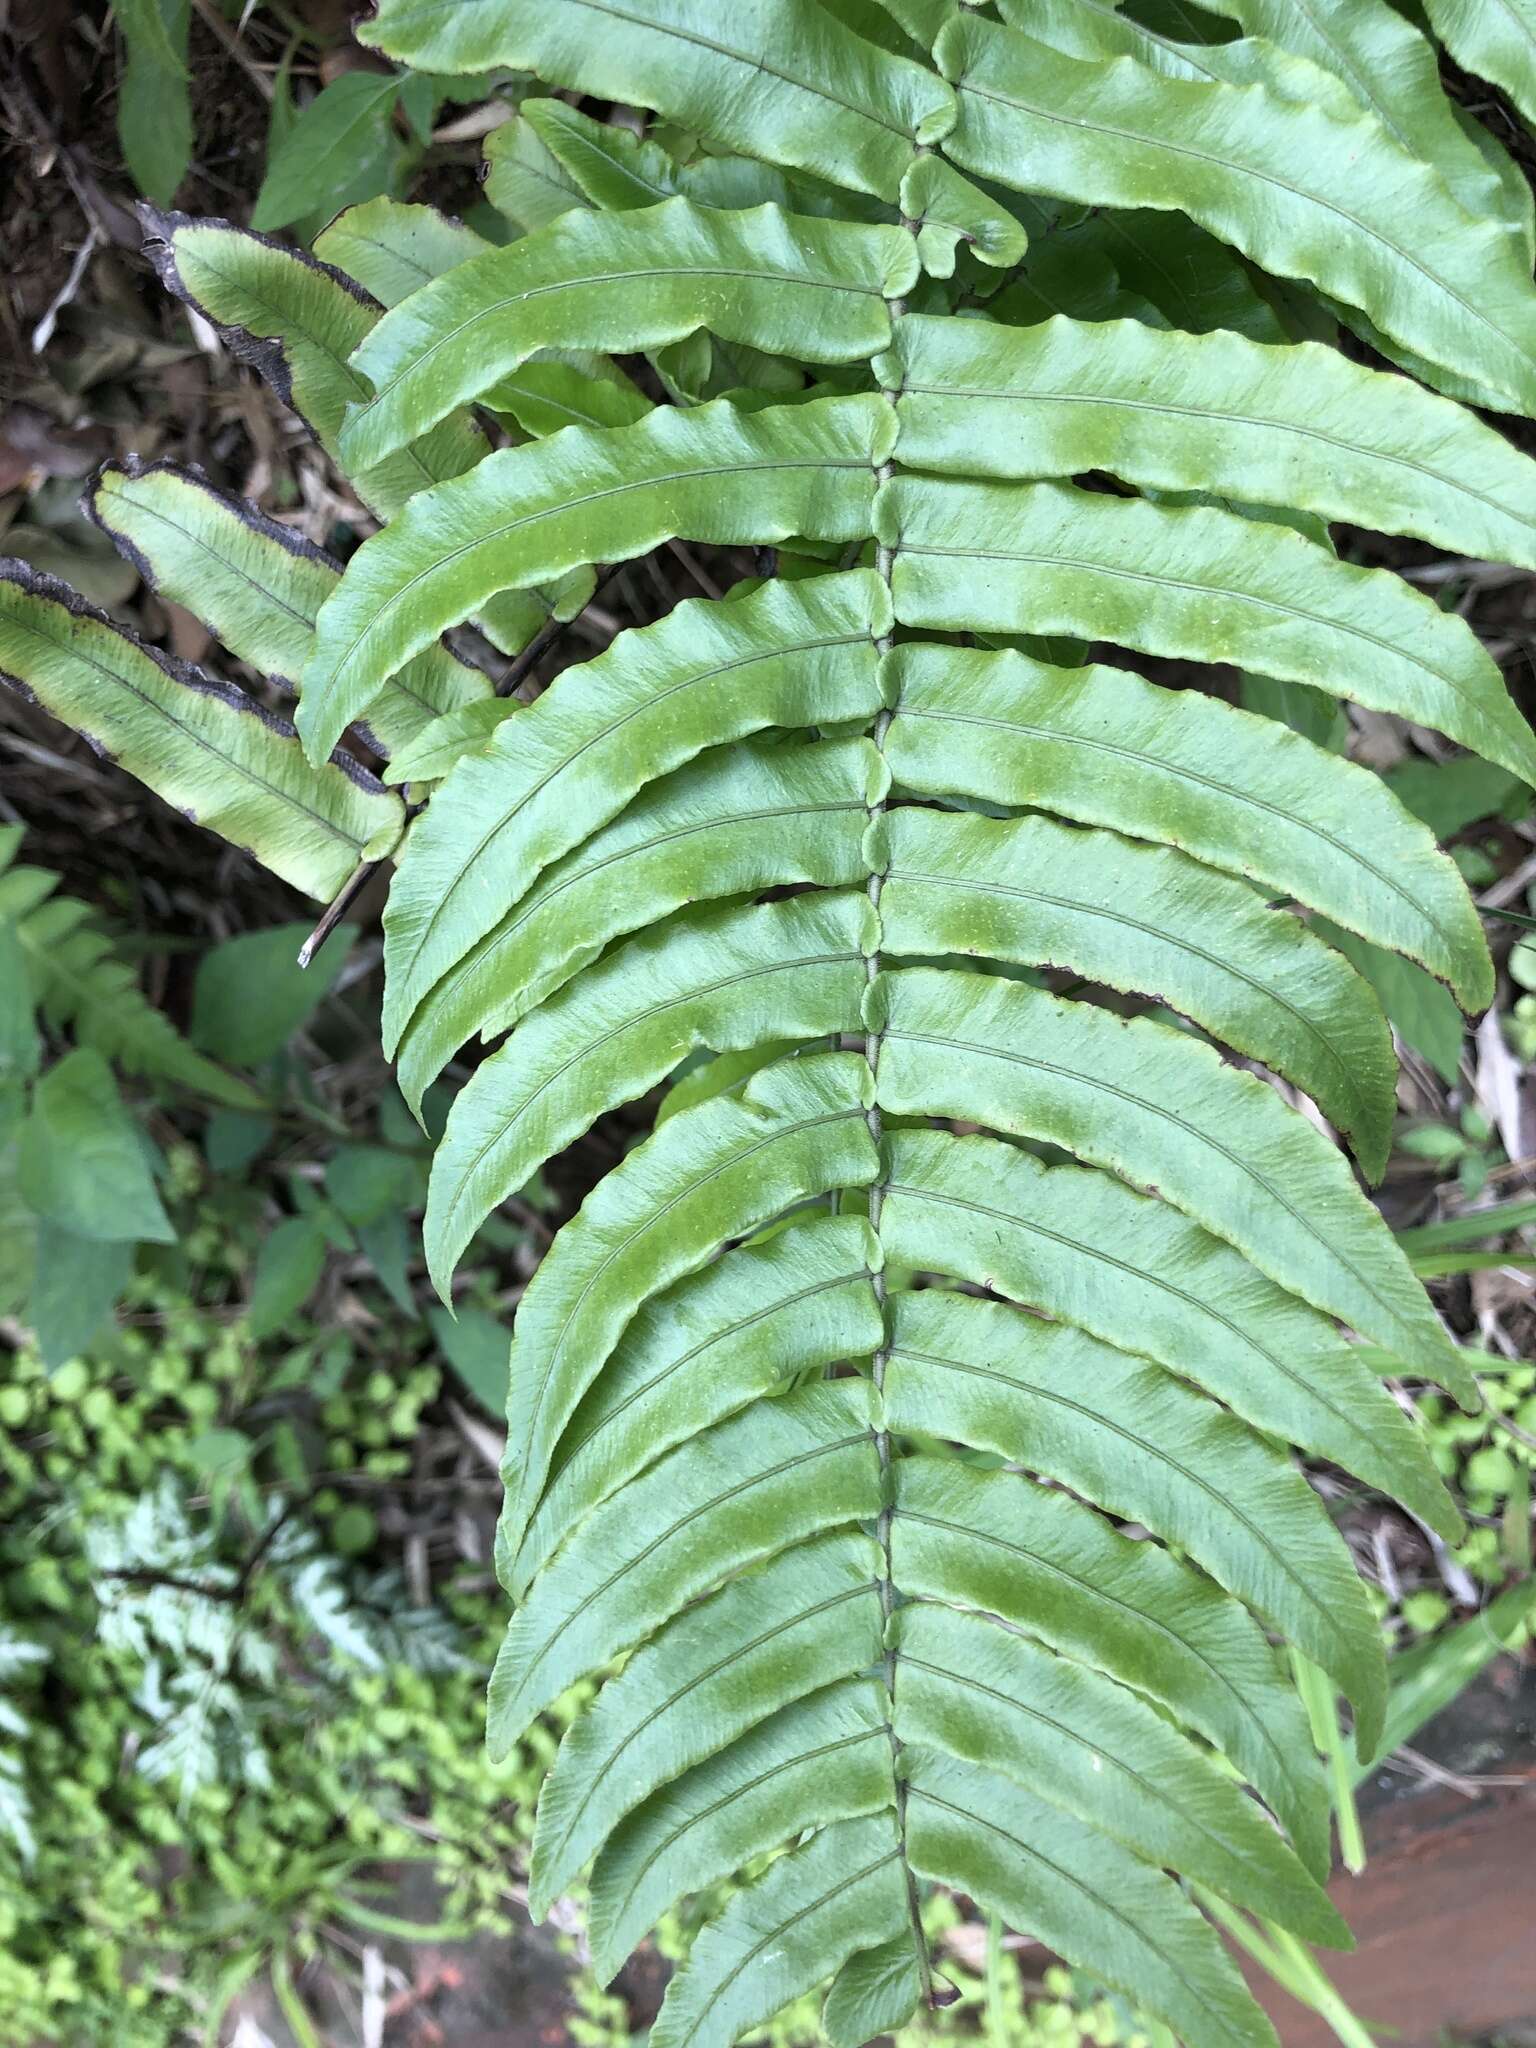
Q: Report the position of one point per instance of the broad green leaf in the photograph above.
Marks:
(475, 1345)
(1298, 190)
(1451, 795)
(796, 1303)
(1194, 582)
(788, 1932)
(817, 1760)
(1083, 1895)
(340, 149)
(527, 515)
(1419, 1009)
(1163, 1111)
(1003, 1545)
(1131, 1270)
(1295, 426)
(616, 169)
(367, 1181)
(524, 180)
(735, 822)
(251, 994)
(826, 101)
(612, 167)
(790, 654)
(966, 1685)
(202, 745)
(725, 979)
(712, 1173)
(1146, 919)
(76, 1284)
(1238, 791)
(288, 1269)
(258, 586)
(817, 290)
(757, 1483)
(82, 1162)
(1495, 39)
(875, 1992)
(392, 249)
(1127, 1436)
(154, 104)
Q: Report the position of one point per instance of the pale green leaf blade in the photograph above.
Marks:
(825, 101)
(737, 821)
(1495, 39)
(875, 1992)
(796, 1303)
(807, 1618)
(200, 744)
(723, 979)
(257, 585)
(1128, 1436)
(523, 179)
(817, 1760)
(813, 289)
(1297, 426)
(1239, 791)
(1082, 1894)
(998, 1543)
(1146, 919)
(531, 514)
(1164, 1111)
(787, 1933)
(296, 321)
(967, 1685)
(1301, 192)
(1195, 582)
(1133, 1271)
(790, 654)
(715, 1172)
(1391, 69)
(775, 1475)
(393, 248)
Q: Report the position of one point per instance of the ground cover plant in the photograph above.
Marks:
(985, 1218)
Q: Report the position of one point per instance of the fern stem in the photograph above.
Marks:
(884, 557)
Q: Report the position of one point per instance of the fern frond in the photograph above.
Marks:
(968, 1244)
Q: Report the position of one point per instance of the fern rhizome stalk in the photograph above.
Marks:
(972, 1228)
